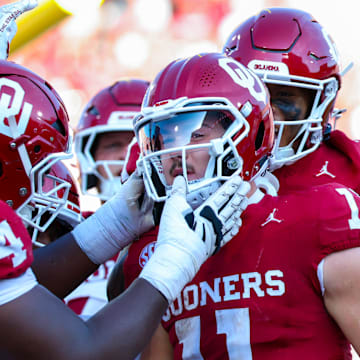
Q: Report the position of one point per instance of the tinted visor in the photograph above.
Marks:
(181, 129)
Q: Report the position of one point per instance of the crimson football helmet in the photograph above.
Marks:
(112, 109)
(34, 135)
(181, 109)
(289, 47)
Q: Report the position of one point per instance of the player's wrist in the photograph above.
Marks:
(101, 236)
(171, 267)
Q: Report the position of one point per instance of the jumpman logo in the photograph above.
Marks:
(324, 171)
(271, 217)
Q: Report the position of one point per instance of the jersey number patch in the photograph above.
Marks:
(354, 222)
(234, 323)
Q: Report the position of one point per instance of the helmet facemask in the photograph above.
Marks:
(182, 129)
(307, 132)
(48, 197)
(56, 220)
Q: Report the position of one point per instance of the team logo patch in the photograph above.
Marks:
(146, 253)
(271, 218)
(324, 171)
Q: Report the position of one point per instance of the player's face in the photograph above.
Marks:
(196, 159)
(112, 146)
(289, 104)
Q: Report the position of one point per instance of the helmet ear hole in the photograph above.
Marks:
(93, 110)
(59, 126)
(260, 136)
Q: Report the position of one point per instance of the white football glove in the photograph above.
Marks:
(122, 219)
(180, 251)
(8, 14)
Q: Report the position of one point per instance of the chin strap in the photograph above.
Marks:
(282, 154)
(197, 197)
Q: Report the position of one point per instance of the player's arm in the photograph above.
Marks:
(342, 292)
(62, 265)
(37, 325)
(159, 348)
(116, 281)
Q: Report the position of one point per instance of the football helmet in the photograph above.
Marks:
(208, 103)
(112, 109)
(34, 135)
(289, 47)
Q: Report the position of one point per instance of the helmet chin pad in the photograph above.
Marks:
(194, 199)
(197, 197)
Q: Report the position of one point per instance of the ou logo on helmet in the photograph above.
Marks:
(245, 78)
(10, 106)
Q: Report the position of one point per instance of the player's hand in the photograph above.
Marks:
(8, 14)
(133, 207)
(180, 250)
(122, 219)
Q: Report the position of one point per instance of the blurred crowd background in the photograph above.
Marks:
(81, 46)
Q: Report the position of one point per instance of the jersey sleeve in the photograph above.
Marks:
(338, 227)
(15, 244)
(12, 288)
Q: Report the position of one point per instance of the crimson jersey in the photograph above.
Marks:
(260, 296)
(336, 160)
(15, 244)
